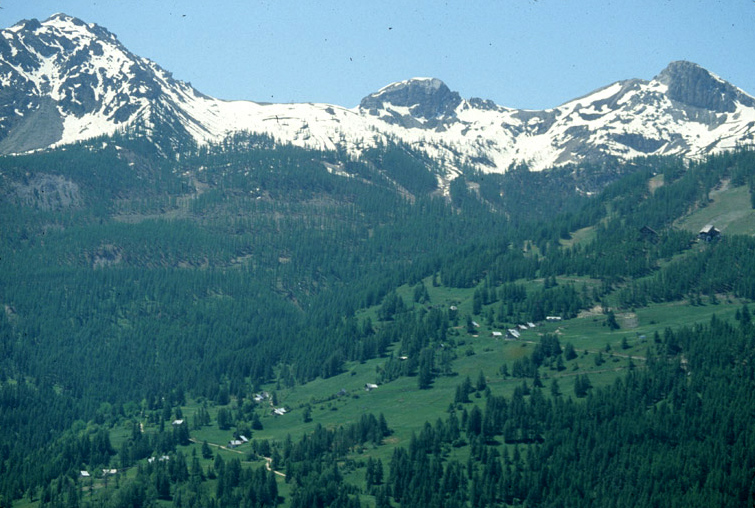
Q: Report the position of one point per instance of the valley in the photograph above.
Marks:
(374, 324)
(422, 301)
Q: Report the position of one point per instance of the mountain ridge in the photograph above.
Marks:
(63, 81)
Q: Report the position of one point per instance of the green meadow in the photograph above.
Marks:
(602, 354)
(729, 210)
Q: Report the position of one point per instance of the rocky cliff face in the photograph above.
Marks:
(417, 102)
(692, 85)
(46, 192)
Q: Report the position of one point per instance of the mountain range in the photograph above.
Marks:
(64, 80)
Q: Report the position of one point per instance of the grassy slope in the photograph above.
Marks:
(729, 210)
(407, 408)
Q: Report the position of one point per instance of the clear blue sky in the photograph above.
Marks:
(519, 53)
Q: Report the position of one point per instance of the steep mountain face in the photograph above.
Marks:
(63, 80)
(693, 86)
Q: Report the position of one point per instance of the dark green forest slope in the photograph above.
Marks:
(133, 286)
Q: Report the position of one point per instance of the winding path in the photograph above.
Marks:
(268, 460)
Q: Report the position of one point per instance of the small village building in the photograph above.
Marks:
(648, 234)
(85, 474)
(475, 324)
(496, 334)
(279, 411)
(243, 439)
(370, 386)
(512, 333)
(531, 324)
(553, 318)
(233, 443)
(523, 327)
(178, 422)
(709, 233)
(259, 397)
(106, 472)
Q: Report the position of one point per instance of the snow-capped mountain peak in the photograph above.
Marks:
(417, 102)
(63, 80)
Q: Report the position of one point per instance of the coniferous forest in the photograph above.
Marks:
(162, 315)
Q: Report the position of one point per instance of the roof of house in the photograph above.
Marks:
(648, 229)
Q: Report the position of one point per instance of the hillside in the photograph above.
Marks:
(139, 290)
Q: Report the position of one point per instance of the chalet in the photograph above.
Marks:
(233, 443)
(261, 396)
(522, 327)
(496, 334)
(709, 233)
(370, 386)
(279, 411)
(531, 324)
(475, 324)
(178, 422)
(649, 234)
(106, 472)
(514, 334)
(85, 474)
(243, 439)
(553, 318)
